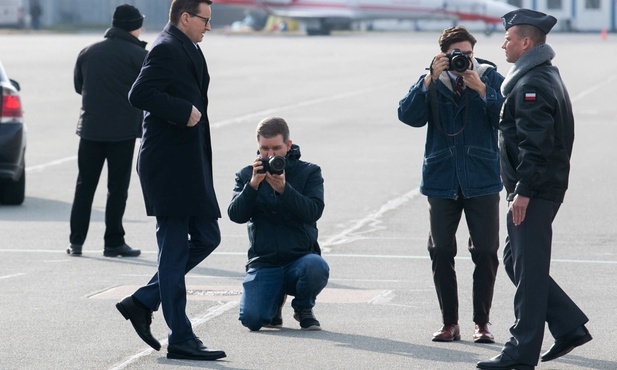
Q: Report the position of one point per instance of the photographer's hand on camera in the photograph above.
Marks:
(473, 81)
(440, 63)
(258, 176)
(277, 182)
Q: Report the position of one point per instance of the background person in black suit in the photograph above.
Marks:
(175, 169)
(108, 126)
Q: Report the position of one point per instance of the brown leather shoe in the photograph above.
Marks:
(447, 333)
(482, 334)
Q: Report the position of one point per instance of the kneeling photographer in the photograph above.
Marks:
(459, 101)
(280, 198)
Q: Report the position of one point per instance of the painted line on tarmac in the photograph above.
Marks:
(270, 111)
(211, 314)
(248, 117)
(44, 166)
(275, 110)
(11, 276)
(595, 87)
(370, 222)
(392, 256)
(337, 255)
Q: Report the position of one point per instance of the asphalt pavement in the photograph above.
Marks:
(340, 95)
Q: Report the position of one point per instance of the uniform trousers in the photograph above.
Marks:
(538, 298)
(184, 241)
(90, 159)
(482, 215)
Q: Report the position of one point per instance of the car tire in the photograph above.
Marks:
(14, 192)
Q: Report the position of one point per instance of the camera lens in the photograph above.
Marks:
(459, 63)
(277, 165)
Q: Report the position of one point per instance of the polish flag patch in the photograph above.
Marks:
(530, 96)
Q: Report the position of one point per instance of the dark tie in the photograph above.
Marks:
(459, 86)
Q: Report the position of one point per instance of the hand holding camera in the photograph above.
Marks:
(460, 63)
(272, 169)
(438, 65)
(275, 165)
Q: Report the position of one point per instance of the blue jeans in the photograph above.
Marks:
(263, 289)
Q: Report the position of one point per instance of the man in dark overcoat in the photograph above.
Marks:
(175, 169)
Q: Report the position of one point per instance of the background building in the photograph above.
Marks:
(80, 14)
(576, 15)
(573, 15)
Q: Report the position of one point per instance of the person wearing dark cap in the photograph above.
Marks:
(536, 137)
(175, 170)
(108, 126)
(459, 102)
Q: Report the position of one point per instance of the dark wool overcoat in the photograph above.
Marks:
(175, 161)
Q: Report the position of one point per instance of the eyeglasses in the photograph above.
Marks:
(206, 20)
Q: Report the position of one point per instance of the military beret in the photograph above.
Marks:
(527, 16)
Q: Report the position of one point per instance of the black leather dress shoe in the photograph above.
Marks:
(193, 349)
(140, 318)
(503, 362)
(123, 250)
(564, 345)
(74, 250)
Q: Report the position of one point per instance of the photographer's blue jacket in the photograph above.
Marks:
(461, 149)
(281, 227)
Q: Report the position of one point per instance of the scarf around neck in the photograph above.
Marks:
(534, 57)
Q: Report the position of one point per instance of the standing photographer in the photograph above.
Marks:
(281, 206)
(460, 101)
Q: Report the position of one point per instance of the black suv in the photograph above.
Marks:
(12, 143)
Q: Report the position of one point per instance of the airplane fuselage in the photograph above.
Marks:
(488, 11)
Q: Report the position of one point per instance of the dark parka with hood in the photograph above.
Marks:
(281, 227)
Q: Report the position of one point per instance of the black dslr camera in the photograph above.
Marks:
(459, 62)
(275, 165)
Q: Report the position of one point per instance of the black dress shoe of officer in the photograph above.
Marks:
(193, 349)
(141, 319)
(123, 250)
(74, 250)
(503, 362)
(567, 343)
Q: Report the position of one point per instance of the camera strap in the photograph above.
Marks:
(434, 103)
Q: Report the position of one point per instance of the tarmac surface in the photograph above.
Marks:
(340, 95)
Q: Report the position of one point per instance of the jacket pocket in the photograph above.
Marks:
(482, 167)
(438, 172)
